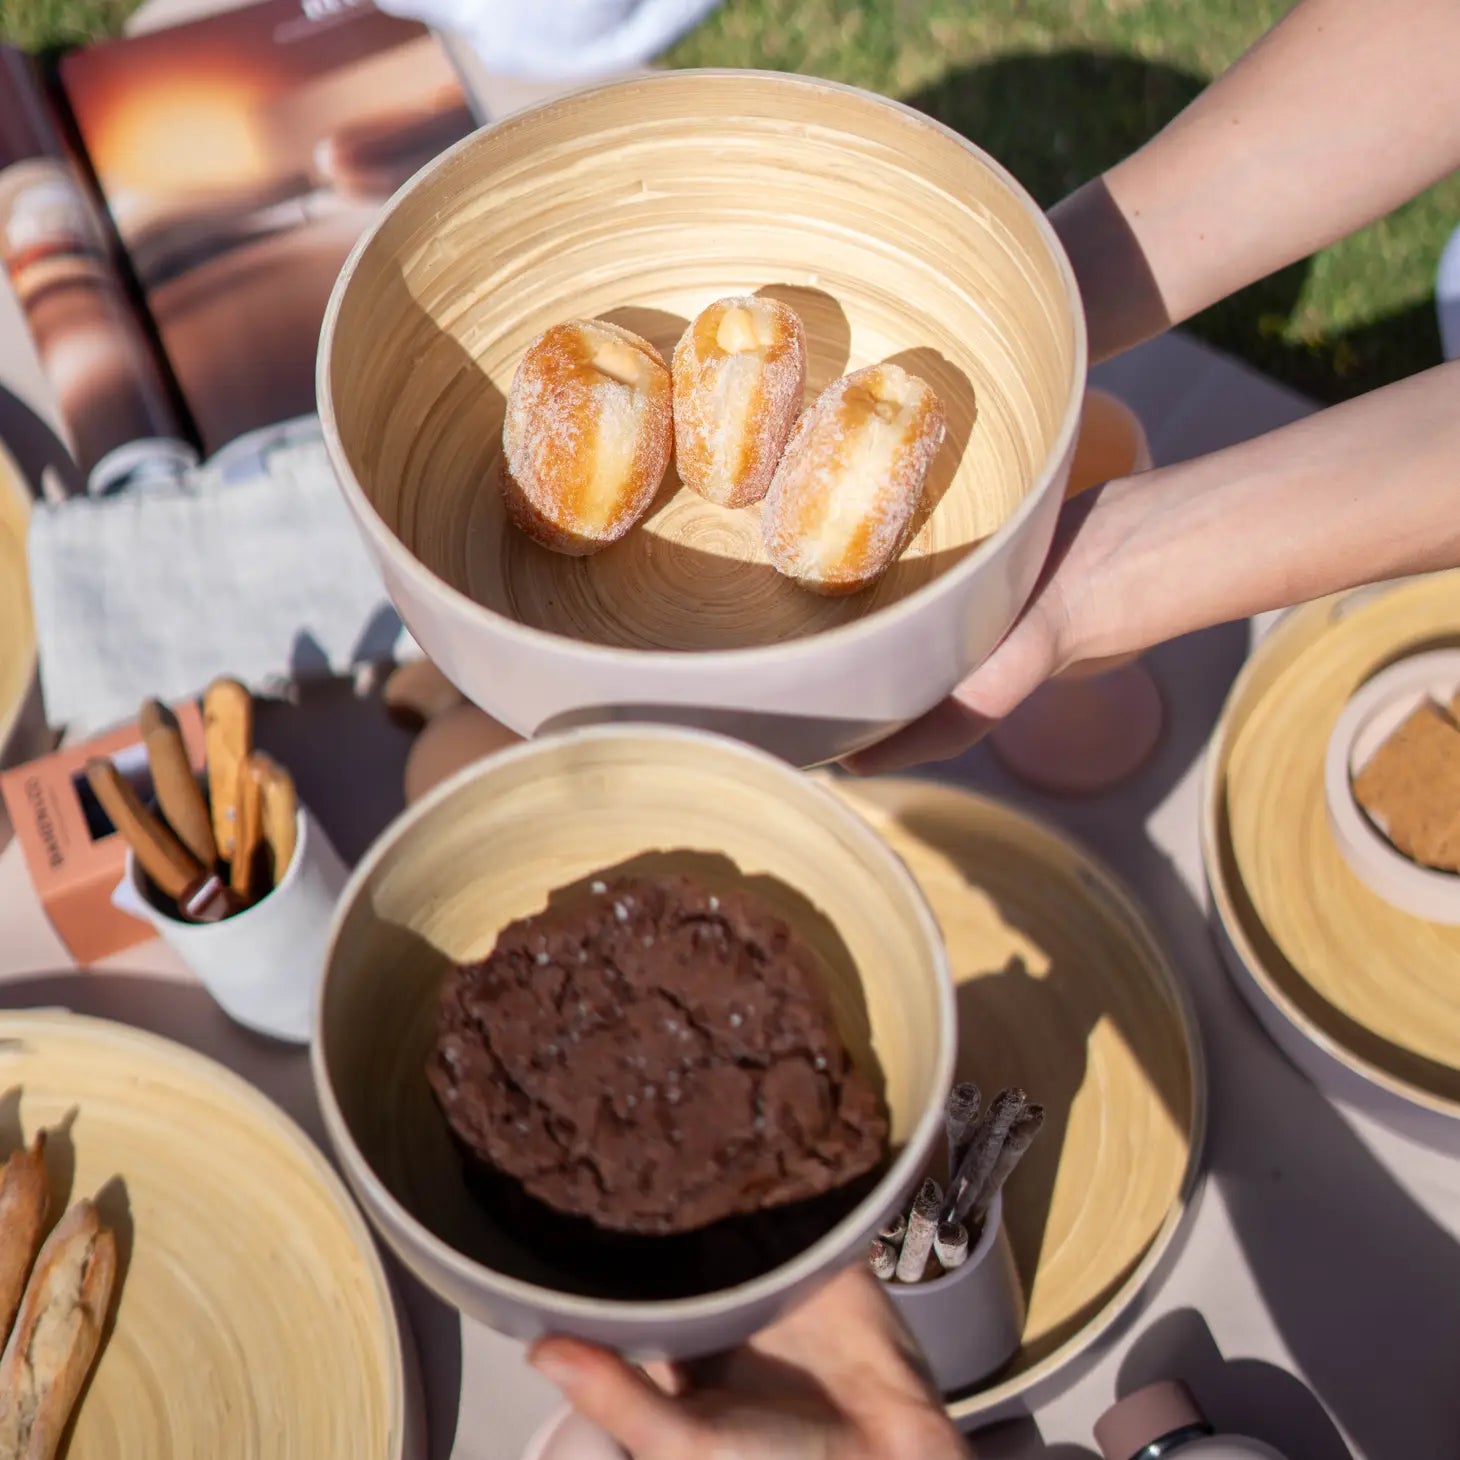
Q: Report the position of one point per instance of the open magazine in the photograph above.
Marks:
(175, 208)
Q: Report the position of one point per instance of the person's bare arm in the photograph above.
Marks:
(1343, 111)
(1360, 493)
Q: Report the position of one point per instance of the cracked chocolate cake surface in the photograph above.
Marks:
(655, 1058)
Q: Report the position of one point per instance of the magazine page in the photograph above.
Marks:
(114, 401)
(240, 157)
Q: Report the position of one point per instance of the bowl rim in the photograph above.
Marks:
(808, 1263)
(790, 651)
(1223, 906)
(16, 485)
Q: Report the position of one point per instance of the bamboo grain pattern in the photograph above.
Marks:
(1374, 985)
(253, 1317)
(17, 628)
(1064, 991)
(642, 204)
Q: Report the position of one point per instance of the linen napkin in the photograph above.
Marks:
(254, 570)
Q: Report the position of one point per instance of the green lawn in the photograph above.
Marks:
(1059, 89)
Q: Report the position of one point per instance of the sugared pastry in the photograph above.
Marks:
(842, 502)
(587, 436)
(739, 375)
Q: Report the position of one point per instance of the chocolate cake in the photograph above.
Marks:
(655, 1059)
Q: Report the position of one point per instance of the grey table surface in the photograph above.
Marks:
(1312, 1296)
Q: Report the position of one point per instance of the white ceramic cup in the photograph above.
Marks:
(968, 1322)
(1376, 711)
(263, 965)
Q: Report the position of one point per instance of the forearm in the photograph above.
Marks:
(1343, 111)
(1363, 492)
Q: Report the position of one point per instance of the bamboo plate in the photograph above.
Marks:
(17, 630)
(1063, 990)
(643, 202)
(253, 1317)
(1363, 996)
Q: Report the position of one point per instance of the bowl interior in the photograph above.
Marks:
(644, 202)
(493, 845)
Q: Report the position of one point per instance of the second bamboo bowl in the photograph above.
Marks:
(643, 202)
(488, 847)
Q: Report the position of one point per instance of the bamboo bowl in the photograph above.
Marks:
(252, 1315)
(643, 202)
(1359, 993)
(20, 720)
(489, 846)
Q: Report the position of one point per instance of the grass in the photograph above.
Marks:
(1058, 90)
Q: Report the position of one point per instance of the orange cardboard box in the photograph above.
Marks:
(74, 853)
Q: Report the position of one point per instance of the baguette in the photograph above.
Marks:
(56, 1336)
(24, 1201)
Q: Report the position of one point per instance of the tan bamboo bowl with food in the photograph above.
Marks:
(1359, 993)
(488, 847)
(643, 202)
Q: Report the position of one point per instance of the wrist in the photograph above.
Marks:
(1123, 304)
(1098, 585)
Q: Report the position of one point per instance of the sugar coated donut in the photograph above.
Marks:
(842, 502)
(587, 436)
(739, 376)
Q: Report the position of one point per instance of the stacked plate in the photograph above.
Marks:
(1360, 992)
(251, 1315)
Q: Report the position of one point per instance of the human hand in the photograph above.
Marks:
(1356, 494)
(1047, 638)
(838, 1378)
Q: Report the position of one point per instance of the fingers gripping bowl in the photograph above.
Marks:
(640, 204)
(438, 888)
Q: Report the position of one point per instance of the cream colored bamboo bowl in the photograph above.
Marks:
(20, 719)
(251, 1317)
(1360, 994)
(489, 846)
(643, 202)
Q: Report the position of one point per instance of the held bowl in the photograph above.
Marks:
(642, 202)
(489, 846)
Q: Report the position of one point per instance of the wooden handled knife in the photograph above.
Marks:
(228, 735)
(178, 793)
(200, 896)
(249, 833)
